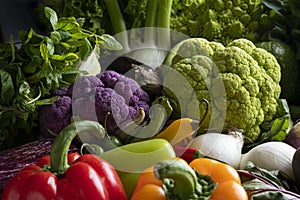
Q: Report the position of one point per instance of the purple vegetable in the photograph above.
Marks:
(296, 167)
(263, 184)
(84, 86)
(53, 118)
(60, 92)
(293, 137)
(109, 98)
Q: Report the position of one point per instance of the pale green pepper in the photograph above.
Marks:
(132, 159)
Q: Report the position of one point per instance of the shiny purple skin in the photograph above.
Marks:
(293, 137)
(296, 167)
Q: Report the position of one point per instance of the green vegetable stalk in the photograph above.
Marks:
(135, 132)
(59, 159)
(180, 181)
(149, 44)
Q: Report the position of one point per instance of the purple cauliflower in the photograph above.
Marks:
(53, 118)
(109, 98)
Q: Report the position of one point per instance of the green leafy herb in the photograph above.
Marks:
(40, 64)
(93, 11)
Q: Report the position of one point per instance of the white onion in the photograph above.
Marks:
(223, 147)
(272, 155)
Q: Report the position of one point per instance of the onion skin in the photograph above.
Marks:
(223, 147)
(293, 136)
(273, 155)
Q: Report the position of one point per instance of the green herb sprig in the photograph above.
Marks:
(36, 66)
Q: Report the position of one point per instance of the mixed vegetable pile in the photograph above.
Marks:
(153, 99)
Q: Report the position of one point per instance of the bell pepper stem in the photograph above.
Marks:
(180, 172)
(180, 181)
(59, 152)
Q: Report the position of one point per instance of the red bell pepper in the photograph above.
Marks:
(67, 176)
(188, 154)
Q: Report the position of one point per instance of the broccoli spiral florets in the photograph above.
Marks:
(220, 20)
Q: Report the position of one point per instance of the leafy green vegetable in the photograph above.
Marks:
(31, 70)
(267, 185)
(97, 20)
(275, 130)
(7, 89)
(284, 14)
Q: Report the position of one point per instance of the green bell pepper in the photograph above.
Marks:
(132, 159)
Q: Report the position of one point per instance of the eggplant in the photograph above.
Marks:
(14, 159)
(296, 167)
(293, 136)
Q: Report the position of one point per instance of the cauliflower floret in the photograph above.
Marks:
(109, 98)
(53, 118)
(109, 101)
(84, 86)
(270, 75)
(250, 82)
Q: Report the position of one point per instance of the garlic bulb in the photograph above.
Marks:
(223, 147)
(272, 155)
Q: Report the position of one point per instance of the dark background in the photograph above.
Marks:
(16, 15)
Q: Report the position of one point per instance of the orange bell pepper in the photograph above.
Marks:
(172, 179)
(148, 187)
(152, 184)
(227, 178)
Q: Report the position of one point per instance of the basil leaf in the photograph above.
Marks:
(52, 17)
(7, 86)
(68, 57)
(67, 24)
(110, 43)
(50, 46)
(29, 35)
(85, 49)
(33, 65)
(44, 72)
(44, 51)
(80, 35)
(47, 101)
(55, 37)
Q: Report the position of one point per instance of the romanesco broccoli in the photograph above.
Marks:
(220, 20)
(248, 75)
